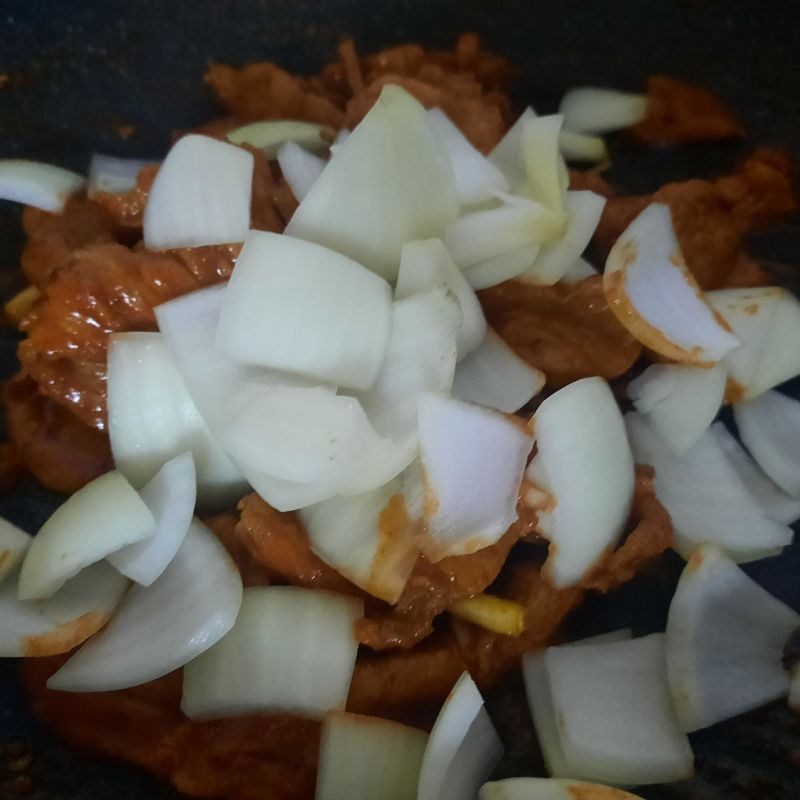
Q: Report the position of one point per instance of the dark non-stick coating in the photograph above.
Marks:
(73, 75)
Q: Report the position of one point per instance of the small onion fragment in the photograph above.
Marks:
(368, 757)
(389, 182)
(80, 608)
(501, 268)
(543, 162)
(724, 641)
(39, 185)
(770, 429)
(159, 628)
(113, 175)
(170, 495)
(476, 177)
(473, 460)
(580, 147)
(300, 168)
(584, 463)
(463, 747)
(293, 305)
(550, 789)
(200, 196)
(508, 155)
(603, 712)
(292, 650)
(14, 543)
(494, 376)
(594, 110)
(426, 265)
(679, 402)
(271, 135)
(103, 516)
(706, 498)
(767, 322)
(653, 294)
(578, 271)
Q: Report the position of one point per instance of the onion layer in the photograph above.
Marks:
(543, 162)
(580, 147)
(14, 543)
(271, 135)
(507, 154)
(578, 271)
(300, 168)
(39, 185)
(593, 110)
(113, 175)
(501, 268)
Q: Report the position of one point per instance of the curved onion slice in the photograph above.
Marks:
(170, 495)
(543, 161)
(507, 154)
(289, 495)
(653, 294)
(501, 268)
(151, 418)
(476, 177)
(594, 110)
(300, 168)
(583, 461)
(296, 306)
(368, 757)
(271, 135)
(770, 429)
(368, 538)
(496, 377)
(14, 543)
(161, 627)
(767, 322)
(201, 195)
(420, 357)
(39, 185)
(473, 460)
(113, 175)
(80, 608)
(425, 265)
(777, 503)
(578, 271)
(462, 749)
(550, 789)
(705, 497)
(580, 147)
(292, 651)
(98, 519)
(725, 640)
(603, 712)
(679, 402)
(389, 182)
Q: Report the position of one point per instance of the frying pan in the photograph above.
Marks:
(75, 74)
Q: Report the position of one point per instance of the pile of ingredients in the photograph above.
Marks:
(349, 427)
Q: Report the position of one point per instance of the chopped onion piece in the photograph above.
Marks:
(80, 608)
(550, 789)
(114, 175)
(289, 495)
(508, 154)
(501, 268)
(679, 402)
(14, 543)
(370, 539)
(594, 110)
(296, 306)
(300, 168)
(767, 322)
(770, 429)
(725, 639)
(603, 712)
(580, 147)
(705, 497)
(98, 519)
(476, 177)
(291, 651)
(381, 460)
(389, 182)
(777, 503)
(653, 294)
(494, 376)
(463, 747)
(170, 495)
(619, 635)
(39, 185)
(578, 271)
(201, 195)
(425, 265)
(341, 138)
(543, 162)
(584, 463)
(270, 135)
(161, 627)
(473, 460)
(152, 419)
(583, 211)
(368, 757)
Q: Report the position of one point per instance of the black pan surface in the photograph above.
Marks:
(72, 73)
